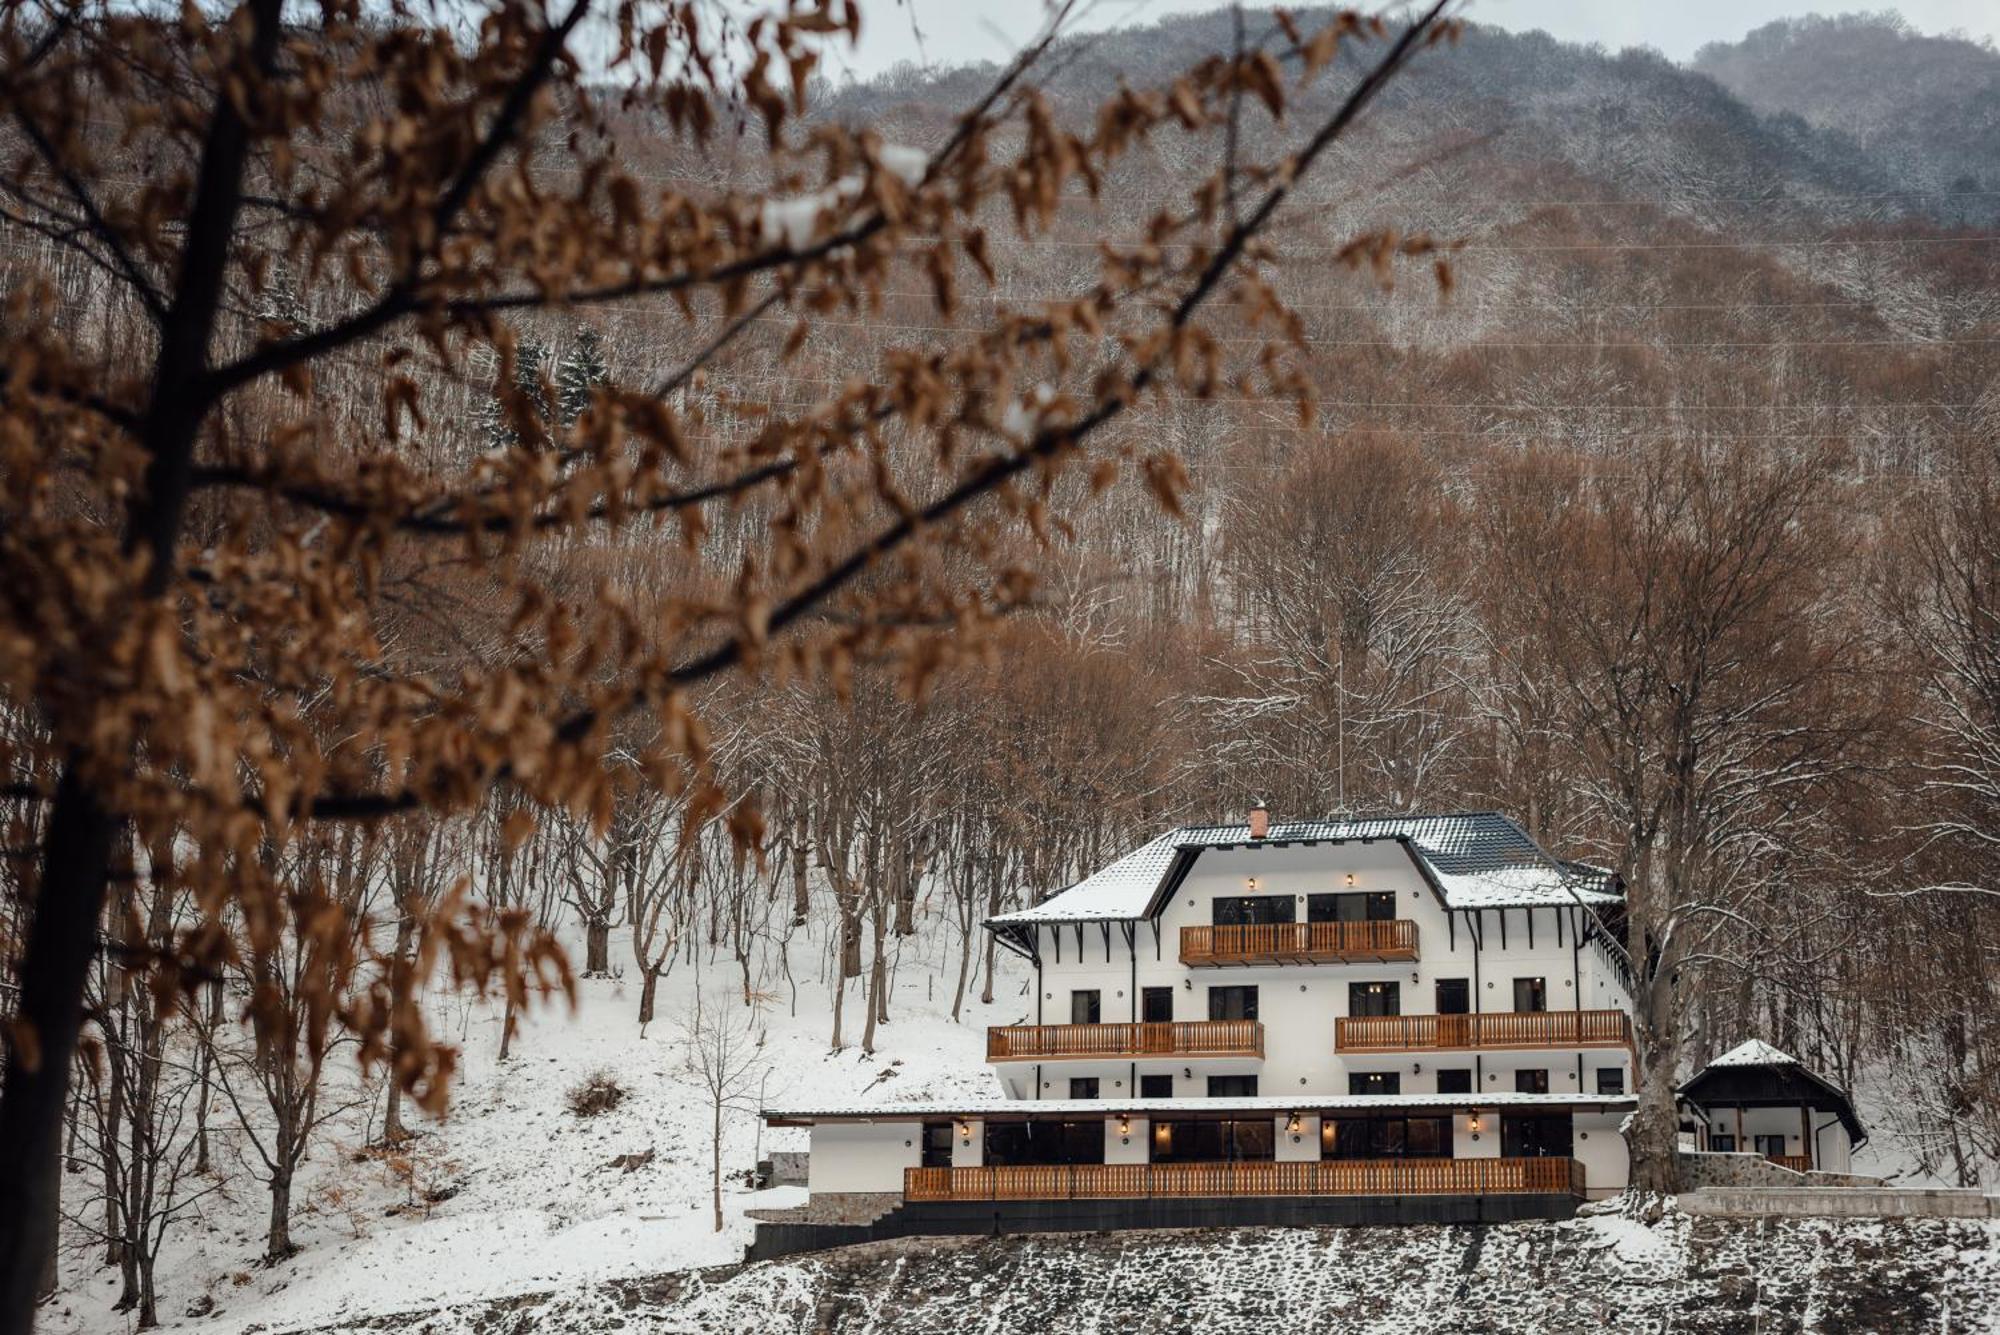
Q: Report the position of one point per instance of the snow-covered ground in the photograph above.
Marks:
(531, 1201)
(534, 1200)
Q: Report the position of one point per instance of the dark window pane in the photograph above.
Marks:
(1249, 910)
(1769, 1146)
(1374, 1082)
(1083, 1087)
(1385, 1140)
(1374, 998)
(1253, 1138)
(1530, 994)
(1084, 1007)
(1454, 996)
(1232, 1003)
(1156, 1086)
(1722, 1144)
(937, 1145)
(1045, 1142)
(1455, 1080)
(1535, 1137)
(1611, 1080)
(1157, 1005)
(1232, 1086)
(1531, 1082)
(1322, 908)
(1381, 907)
(1428, 1138)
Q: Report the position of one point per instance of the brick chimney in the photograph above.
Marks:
(1260, 821)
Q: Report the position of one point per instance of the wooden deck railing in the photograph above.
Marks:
(1798, 1163)
(1187, 1038)
(1503, 1029)
(1300, 943)
(1327, 1177)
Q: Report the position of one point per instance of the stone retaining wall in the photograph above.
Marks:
(1867, 1202)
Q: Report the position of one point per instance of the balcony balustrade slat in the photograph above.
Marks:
(1180, 1038)
(1327, 1177)
(1299, 942)
(1505, 1029)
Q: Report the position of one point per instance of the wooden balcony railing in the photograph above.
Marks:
(1189, 1038)
(1327, 1177)
(1798, 1163)
(1503, 1029)
(1300, 943)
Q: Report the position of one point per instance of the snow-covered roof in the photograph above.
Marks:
(999, 1107)
(1478, 859)
(1756, 1052)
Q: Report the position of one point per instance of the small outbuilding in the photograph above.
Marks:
(1756, 1099)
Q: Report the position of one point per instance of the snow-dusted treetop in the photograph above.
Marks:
(1475, 859)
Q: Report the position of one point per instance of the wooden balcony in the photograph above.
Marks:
(1327, 1177)
(1300, 943)
(1496, 1030)
(1190, 1038)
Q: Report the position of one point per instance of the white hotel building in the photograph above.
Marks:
(1421, 1017)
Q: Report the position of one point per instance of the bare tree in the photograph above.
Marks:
(722, 1056)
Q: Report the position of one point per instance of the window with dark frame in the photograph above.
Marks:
(1531, 1081)
(1374, 998)
(1042, 1142)
(1531, 994)
(1156, 1086)
(1538, 1137)
(1611, 1080)
(1722, 1142)
(1385, 1138)
(1083, 1086)
(937, 1145)
(1771, 1147)
(1215, 1140)
(1455, 1080)
(1086, 1006)
(1233, 1003)
(1251, 910)
(1232, 1086)
(1374, 1082)
(1351, 906)
(1454, 996)
(1156, 1005)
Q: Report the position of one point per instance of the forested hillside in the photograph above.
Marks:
(1632, 471)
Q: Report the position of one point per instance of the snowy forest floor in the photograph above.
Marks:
(527, 1196)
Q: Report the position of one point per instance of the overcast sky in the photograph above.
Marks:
(958, 31)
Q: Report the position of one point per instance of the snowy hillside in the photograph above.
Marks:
(528, 1195)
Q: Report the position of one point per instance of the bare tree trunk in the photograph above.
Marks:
(877, 978)
(278, 1245)
(715, 1164)
(62, 938)
(649, 986)
(597, 946)
(507, 1029)
(206, 1058)
(801, 901)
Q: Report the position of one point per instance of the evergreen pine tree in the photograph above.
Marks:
(582, 368)
(495, 423)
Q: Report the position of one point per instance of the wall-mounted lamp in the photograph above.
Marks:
(1188, 984)
(1472, 1123)
(1292, 1126)
(1124, 1125)
(965, 1132)
(1350, 878)
(1416, 1068)
(1187, 1072)
(1252, 883)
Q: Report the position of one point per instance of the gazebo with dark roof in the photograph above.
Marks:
(1757, 1078)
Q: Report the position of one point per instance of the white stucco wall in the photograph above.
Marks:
(1607, 1164)
(1129, 1147)
(862, 1156)
(968, 1153)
